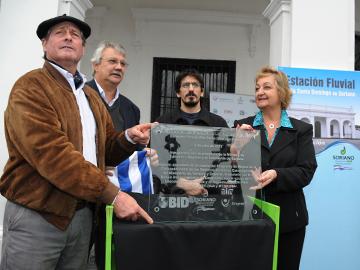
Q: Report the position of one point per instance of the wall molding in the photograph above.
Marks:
(144, 16)
(195, 16)
(275, 9)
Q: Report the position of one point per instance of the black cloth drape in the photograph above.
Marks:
(194, 246)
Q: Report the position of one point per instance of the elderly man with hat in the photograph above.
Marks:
(60, 137)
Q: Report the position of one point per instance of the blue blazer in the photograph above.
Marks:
(292, 155)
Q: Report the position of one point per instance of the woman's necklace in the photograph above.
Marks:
(271, 124)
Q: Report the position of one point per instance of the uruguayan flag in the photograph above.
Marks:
(134, 174)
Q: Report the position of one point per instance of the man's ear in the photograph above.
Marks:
(43, 43)
(94, 66)
(202, 92)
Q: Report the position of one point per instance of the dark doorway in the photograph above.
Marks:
(317, 129)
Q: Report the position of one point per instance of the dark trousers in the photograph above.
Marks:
(290, 248)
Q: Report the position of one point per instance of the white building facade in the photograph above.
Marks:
(328, 121)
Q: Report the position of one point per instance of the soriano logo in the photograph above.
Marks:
(343, 157)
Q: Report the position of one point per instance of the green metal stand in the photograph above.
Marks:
(273, 212)
(109, 263)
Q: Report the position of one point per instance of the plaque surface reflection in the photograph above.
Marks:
(204, 173)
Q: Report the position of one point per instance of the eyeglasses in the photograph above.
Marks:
(114, 62)
(187, 85)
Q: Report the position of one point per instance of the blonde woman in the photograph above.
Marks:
(287, 159)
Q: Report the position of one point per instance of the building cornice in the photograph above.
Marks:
(276, 8)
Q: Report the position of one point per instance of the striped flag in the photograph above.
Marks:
(134, 174)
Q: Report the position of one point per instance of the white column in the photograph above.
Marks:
(328, 129)
(313, 123)
(279, 15)
(313, 34)
(341, 128)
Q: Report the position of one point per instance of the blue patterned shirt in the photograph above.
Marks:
(284, 122)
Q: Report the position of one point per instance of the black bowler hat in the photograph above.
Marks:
(44, 27)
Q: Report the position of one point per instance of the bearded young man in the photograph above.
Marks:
(189, 87)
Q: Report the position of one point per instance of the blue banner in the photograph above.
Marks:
(329, 99)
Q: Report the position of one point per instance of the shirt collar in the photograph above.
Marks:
(69, 77)
(102, 94)
(284, 120)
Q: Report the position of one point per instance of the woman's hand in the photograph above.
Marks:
(241, 139)
(245, 127)
(263, 178)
